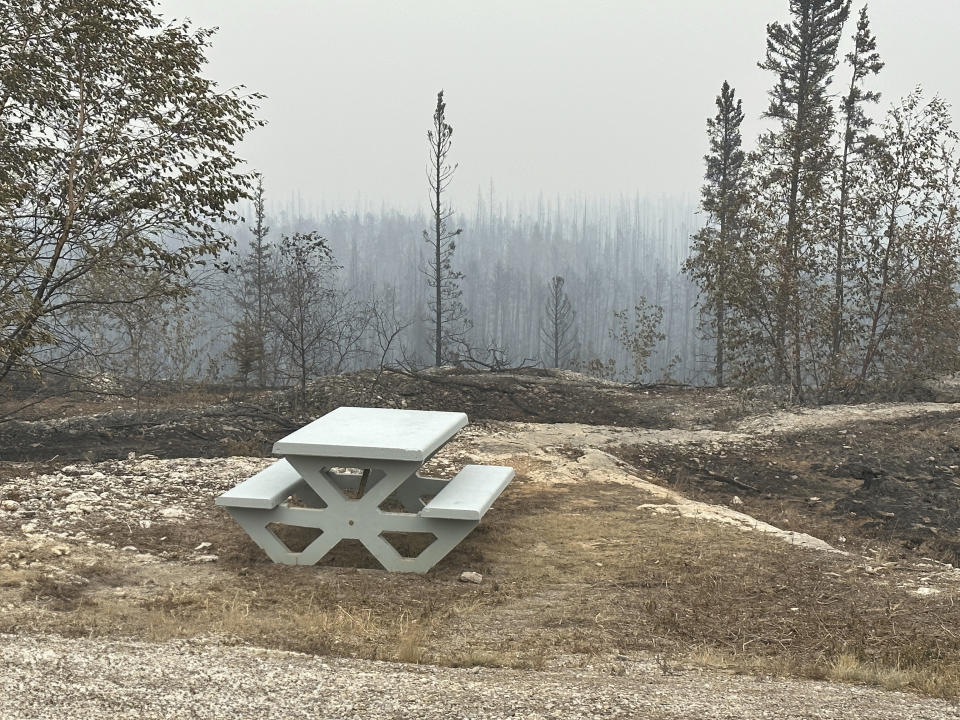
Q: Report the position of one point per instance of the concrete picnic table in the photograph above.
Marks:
(387, 446)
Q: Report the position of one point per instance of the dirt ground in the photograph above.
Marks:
(693, 527)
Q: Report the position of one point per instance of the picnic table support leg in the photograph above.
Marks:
(338, 516)
(448, 533)
(256, 524)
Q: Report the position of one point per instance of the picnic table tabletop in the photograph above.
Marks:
(373, 433)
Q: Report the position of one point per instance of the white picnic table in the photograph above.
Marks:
(385, 449)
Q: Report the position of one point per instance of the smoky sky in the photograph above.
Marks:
(559, 97)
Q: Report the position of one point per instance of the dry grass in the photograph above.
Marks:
(568, 571)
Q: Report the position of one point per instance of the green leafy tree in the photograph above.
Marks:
(905, 291)
(713, 261)
(639, 332)
(798, 156)
(115, 151)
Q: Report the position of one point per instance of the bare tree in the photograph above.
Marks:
(449, 315)
(556, 327)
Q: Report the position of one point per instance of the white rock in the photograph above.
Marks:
(202, 546)
(128, 548)
(10, 505)
(471, 577)
(926, 591)
(736, 500)
(145, 524)
(82, 496)
(207, 558)
(173, 512)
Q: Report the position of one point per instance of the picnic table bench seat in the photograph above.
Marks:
(469, 494)
(266, 489)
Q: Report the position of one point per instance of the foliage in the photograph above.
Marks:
(713, 262)
(115, 152)
(639, 333)
(794, 160)
(864, 61)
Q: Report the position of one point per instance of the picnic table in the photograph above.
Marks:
(384, 448)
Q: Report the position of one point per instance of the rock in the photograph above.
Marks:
(207, 558)
(82, 496)
(471, 577)
(173, 512)
(202, 546)
(128, 548)
(60, 550)
(736, 500)
(10, 505)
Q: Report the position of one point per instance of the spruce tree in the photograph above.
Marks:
(449, 316)
(864, 61)
(799, 153)
(712, 260)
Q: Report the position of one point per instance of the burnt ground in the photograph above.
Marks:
(896, 482)
(93, 428)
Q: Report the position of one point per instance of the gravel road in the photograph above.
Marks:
(75, 679)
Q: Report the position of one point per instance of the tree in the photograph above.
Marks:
(905, 292)
(449, 316)
(115, 152)
(713, 262)
(304, 292)
(136, 347)
(798, 154)
(556, 328)
(864, 61)
(639, 334)
(251, 292)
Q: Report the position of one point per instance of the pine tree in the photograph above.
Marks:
(251, 292)
(712, 261)
(864, 61)
(799, 153)
(449, 315)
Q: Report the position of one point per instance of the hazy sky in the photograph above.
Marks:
(561, 96)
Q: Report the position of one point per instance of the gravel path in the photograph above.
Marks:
(71, 679)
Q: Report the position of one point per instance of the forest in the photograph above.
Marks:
(820, 259)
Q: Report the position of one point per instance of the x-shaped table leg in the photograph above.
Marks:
(339, 517)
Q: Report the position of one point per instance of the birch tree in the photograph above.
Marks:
(115, 151)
